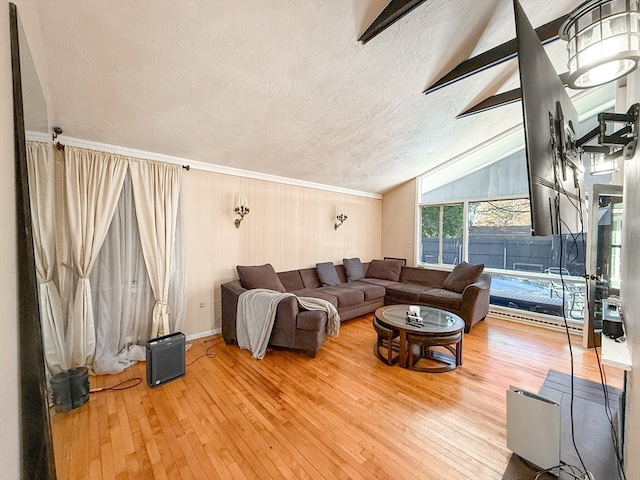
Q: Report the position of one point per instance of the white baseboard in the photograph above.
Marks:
(206, 333)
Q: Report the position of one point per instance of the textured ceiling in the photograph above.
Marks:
(281, 87)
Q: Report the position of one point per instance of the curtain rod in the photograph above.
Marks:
(60, 146)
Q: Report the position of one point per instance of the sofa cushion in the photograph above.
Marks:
(291, 280)
(406, 292)
(353, 267)
(327, 274)
(462, 275)
(385, 269)
(309, 278)
(317, 293)
(261, 276)
(423, 276)
(378, 281)
(346, 296)
(370, 290)
(441, 298)
(342, 274)
(314, 320)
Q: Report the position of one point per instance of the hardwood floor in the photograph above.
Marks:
(342, 415)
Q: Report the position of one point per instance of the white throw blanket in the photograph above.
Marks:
(257, 313)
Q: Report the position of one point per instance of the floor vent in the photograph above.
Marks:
(532, 318)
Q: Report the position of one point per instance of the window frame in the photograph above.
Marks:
(418, 242)
(465, 228)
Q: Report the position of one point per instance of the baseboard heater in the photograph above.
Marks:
(165, 359)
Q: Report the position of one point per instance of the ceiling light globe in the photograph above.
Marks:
(603, 41)
(604, 73)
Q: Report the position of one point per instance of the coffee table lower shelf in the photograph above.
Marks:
(442, 330)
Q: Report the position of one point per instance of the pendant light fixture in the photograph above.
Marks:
(603, 41)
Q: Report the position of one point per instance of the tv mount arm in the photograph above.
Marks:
(622, 142)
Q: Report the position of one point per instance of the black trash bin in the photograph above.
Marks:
(61, 391)
(79, 386)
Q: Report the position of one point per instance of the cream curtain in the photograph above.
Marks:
(41, 167)
(122, 296)
(93, 182)
(123, 299)
(156, 190)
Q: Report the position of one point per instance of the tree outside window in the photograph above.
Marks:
(442, 233)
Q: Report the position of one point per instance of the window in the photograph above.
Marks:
(476, 209)
(442, 234)
(616, 246)
(525, 272)
(500, 236)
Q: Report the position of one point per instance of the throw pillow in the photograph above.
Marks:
(353, 267)
(464, 274)
(262, 276)
(385, 269)
(327, 274)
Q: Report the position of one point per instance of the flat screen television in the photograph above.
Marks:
(550, 121)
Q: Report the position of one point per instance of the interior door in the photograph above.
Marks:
(603, 256)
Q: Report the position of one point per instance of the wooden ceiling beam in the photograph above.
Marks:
(391, 14)
(501, 99)
(547, 33)
(494, 101)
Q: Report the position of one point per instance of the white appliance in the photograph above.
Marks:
(533, 428)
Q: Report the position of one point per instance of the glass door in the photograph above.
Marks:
(603, 257)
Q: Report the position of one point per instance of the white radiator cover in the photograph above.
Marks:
(537, 319)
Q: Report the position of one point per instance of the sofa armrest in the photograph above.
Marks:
(284, 327)
(230, 293)
(475, 300)
(285, 324)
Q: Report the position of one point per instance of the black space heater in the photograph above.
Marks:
(165, 359)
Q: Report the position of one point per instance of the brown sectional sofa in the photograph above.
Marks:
(385, 282)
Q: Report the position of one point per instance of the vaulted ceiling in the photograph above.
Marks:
(282, 87)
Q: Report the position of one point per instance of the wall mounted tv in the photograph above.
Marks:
(554, 164)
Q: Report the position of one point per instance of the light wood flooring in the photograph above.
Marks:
(342, 415)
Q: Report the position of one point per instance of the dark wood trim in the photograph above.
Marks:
(494, 101)
(391, 14)
(35, 429)
(501, 99)
(497, 55)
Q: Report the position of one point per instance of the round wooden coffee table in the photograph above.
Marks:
(439, 329)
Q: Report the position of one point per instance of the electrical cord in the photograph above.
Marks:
(560, 189)
(607, 408)
(563, 467)
(614, 436)
(603, 381)
(123, 384)
(118, 386)
(208, 353)
(572, 376)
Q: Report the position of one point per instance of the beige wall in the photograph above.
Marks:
(288, 226)
(630, 289)
(399, 222)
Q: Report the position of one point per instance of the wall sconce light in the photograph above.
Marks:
(603, 41)
(242, 208)
(341, 216)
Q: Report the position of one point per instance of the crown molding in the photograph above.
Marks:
(38, 136)
(207, 167)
